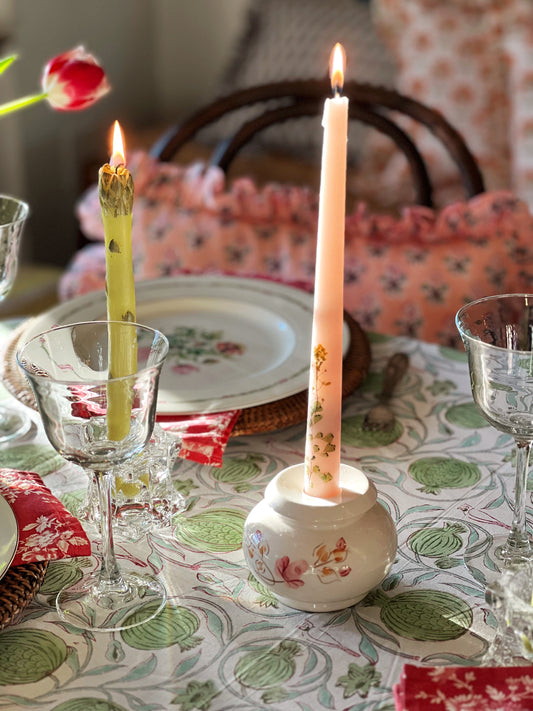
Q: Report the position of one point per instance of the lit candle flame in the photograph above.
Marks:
(118, 157)
(337, 64)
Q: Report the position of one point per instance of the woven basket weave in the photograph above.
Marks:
(18, 587)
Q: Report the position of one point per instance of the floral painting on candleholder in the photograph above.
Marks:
(326, 563)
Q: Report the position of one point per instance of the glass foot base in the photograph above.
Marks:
(510, 557)
(13, 423)
(90, 606)
(488, 558)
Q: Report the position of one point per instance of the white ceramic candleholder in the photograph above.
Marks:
(319, 554)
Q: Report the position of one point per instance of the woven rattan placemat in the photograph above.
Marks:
(18, 587)
(253, 420)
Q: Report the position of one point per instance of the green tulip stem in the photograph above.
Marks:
(21, 103)
(7, 62)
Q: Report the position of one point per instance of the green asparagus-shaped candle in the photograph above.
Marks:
(115, 188)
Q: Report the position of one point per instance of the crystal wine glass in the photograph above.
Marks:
(497, 332)
(13, 215)
(98, 421)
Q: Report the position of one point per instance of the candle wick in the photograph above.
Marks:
(337, 89)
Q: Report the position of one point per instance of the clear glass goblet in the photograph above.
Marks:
(13, 215)
(497, 332)
(98, 419)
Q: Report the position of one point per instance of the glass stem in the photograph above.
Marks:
(110, 577)
(518, 538)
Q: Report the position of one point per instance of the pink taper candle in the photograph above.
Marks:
(322, 449)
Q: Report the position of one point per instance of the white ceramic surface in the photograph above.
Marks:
(9, 536)
(234, 342)
(319, 554)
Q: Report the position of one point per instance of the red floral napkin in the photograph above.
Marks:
(464, 689)
(204, 437)
(47, 531)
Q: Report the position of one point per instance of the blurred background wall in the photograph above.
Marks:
(163, 58)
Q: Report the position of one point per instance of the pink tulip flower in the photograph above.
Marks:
(72, 81)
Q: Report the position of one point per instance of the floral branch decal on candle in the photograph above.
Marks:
(327, 564)
(320, 443)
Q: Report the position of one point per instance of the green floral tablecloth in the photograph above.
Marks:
(223, 641)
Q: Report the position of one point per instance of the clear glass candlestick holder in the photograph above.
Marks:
(511, 599)
(144, 497)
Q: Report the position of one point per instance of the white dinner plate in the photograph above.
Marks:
(235, 342)
(9, 536)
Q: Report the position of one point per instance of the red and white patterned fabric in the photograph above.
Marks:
(47, 531)
(405, 275)
(464, 689)
(203, 437)
(472, 60)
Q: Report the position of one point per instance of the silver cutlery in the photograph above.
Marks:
(381, 418)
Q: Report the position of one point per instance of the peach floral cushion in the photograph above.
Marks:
(403, 275)
(472, 60)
